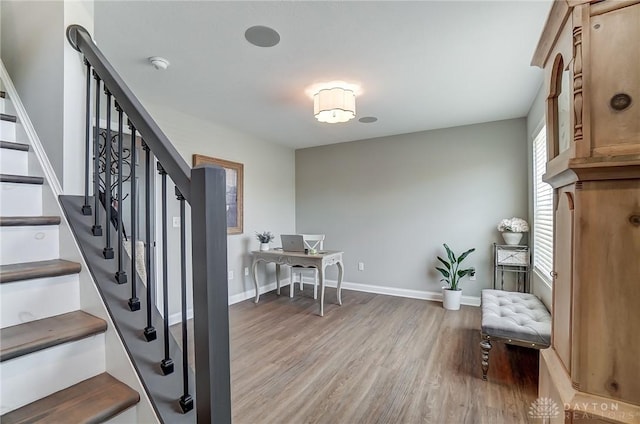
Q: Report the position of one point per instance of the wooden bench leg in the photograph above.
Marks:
(485, 345)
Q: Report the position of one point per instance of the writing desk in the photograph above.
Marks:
(320, 260)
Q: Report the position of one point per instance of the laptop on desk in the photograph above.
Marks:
(292, 243)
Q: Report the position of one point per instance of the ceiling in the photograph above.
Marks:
(420, 64)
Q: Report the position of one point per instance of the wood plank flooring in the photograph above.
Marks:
(376, 359)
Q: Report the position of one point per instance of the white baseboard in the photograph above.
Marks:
(367, 288)
(236, 298)
(250, 294)
(177, 317)
(393, 291)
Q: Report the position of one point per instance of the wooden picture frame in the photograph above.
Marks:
(235, 184)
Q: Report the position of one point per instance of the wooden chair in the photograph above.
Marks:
(314, 243)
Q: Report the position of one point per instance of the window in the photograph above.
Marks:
(542, 210)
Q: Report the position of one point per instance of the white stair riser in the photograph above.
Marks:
(29, 244)
(125, 417)
(39, 374)
(20, 199)
(7, 131)
(29, 300)
(2, 105)
(14, 162)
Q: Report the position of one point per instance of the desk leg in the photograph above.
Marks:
(291, 283)
(278, 279)
(321, 278)
(340, 274)
(255, 280)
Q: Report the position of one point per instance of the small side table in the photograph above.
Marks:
(510, 258)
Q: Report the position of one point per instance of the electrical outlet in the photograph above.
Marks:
(176, 222)
(230, 275)
(246, 271)
(360, 266)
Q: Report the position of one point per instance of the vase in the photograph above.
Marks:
(264, 246)
(451, 299)
(512, 238)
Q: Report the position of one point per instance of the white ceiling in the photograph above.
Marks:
(421, 64)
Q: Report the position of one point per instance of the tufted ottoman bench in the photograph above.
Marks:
(513, 318)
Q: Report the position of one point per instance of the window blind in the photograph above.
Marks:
(542, 210)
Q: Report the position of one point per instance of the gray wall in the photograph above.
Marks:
(391, 202)
(32, 51)
(49, 77)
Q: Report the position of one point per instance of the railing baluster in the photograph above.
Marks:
(86, 207)
(96, 230)
(186, 400)
(121, 274)
(107, 252)
(167, 363)
(149, 331)
(134, 302)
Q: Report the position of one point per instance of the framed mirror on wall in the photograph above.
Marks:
(234, 191)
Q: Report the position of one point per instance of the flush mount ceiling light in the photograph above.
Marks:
(334, 105)
(159, 63)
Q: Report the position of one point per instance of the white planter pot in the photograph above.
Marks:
(511, 238)
(451, 299)
(264, 246)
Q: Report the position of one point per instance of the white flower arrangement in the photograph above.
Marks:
(515, 225)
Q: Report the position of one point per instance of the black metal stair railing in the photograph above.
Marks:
(203, 188)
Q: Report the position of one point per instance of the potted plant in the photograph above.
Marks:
(512, 230)
(265, 237)
(451, 293)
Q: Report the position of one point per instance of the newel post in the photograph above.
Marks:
(210, 294)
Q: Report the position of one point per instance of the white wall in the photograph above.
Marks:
(269, 188)
(391, 202)
(49, 77)
(535, 121)
(74, 108)
(32, 51)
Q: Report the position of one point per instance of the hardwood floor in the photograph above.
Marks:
(376, 359)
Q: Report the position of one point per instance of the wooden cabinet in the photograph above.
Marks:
(590, 52)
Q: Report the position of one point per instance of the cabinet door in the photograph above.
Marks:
(563, 267)
(615, 82)
(607, 290)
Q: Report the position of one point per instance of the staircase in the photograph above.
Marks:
(53, 354)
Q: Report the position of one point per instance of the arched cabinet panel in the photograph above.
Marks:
(563, 275)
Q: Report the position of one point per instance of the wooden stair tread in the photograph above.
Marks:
(23, 179)
(39, 269)
(91, 401)
(3, 94)
(5, 117)
(33, 336)
(24, 221)
(14, 146)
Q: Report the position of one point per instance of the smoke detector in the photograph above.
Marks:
(159, 63)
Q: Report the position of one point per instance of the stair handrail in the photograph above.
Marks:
(203, 187)
(158, 142)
